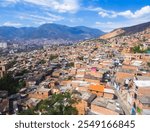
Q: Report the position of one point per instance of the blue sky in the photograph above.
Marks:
(102, 14)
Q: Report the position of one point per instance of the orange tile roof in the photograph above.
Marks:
(96, 87)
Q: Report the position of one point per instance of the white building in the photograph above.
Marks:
(3, 45)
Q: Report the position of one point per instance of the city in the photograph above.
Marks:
(101, 76)
(75, 70)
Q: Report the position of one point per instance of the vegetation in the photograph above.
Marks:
(11, 64)
(139, 110)
(71, 64)
(148, 64)
(124, 44)
(21, 73)
(42, 62)
(10, 84)
(58, 104)
(137, 49)
(80, 58)
(70, 77)
(28, 112)
(52, 57)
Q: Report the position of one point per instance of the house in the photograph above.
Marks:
(121, 76)
(28, 103)
(91, 79)
(102, 90)
(97, 89)
(3, 68)
(104, 106)
(142, 98)
(84, 101)
(4, 102)
(40, 93)
(35, 80)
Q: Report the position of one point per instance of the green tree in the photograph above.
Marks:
(21, 73)
(28, 112)
(10, 84)
(52, 57)
(57, 104)
(71, 64)
(81, 58)
(42, 62)
(148, 64)
(136, 49)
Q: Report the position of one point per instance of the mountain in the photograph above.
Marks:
(126, 30)
(49, 31)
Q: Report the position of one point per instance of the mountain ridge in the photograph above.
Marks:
(49, 31)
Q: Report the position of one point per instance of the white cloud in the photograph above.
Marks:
(12, 1)
(12, 24)
(38, 19)
(5, 3)
(54, 17)
(127, 14)
(103, 14)
(51, 18)
(137, 14)
(61, 6)
(109, 26)
(58, 5)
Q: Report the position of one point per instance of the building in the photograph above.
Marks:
(3, 68)
(4, 102)
(40, 93)
(104, 106)
(97, 89)
(142, 96)
(3, 45)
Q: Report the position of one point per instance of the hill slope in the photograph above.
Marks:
(126, 30)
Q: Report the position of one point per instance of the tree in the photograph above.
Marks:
(136, 49)
(10, 84)
(52, 57)
(81, 58)
(28, 112)
(71, 64)
(42, 62)
(148, 64)
(21, 73)
(57, 104)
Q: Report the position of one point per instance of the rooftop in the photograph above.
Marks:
(142, 83)
(144, 99)
(3, 94)
(108, 103)
(96, 87)
(42, 89)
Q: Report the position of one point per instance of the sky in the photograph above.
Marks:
(105, 15)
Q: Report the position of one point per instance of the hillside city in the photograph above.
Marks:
(102, 76)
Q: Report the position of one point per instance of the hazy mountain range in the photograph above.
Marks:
(49, 31)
